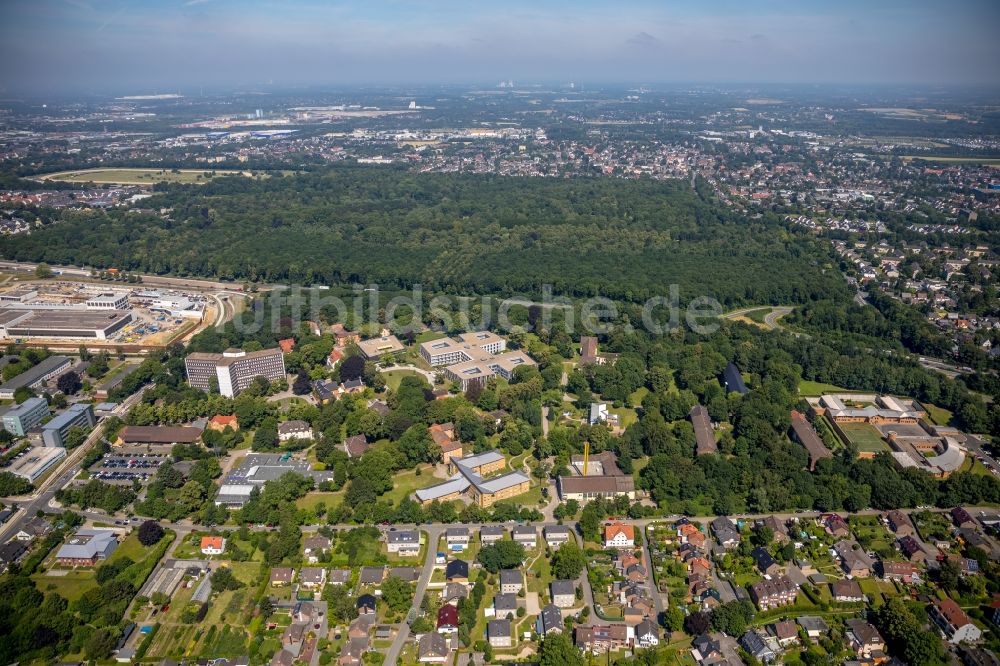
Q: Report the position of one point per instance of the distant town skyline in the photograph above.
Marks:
(99, 46)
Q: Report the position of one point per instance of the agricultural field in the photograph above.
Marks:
(865, 437)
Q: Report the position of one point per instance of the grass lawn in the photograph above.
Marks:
(638, 465)
(310, 500)
(626, 416)
(138, 176)
(974, 466)
(635, 400)
(811, 389)
(865, 437)
(938, 415)
(427, 336)
(393, 378)
(71, 586)
(130, 547)
(404, 483)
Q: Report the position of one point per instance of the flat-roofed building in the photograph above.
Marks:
(110, 300)
(375, 348)
(33, 377)
(18, 420)
(35, 462)
(69, 323)
(468, 346)
(80, 415)
(234, 370)
(474, 357)
(233, 495)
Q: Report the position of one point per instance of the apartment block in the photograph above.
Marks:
(234, 369)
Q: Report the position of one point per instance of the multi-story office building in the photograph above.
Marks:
(54, 432)
(21, 418)
(468, 347)
(234, 369)
(474, 357)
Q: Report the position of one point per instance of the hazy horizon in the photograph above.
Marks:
(162, 46)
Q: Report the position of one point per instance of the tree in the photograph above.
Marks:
(150, 533)
(223, 579)
(12, 484)
(191, 496)
(69, 383)
(672, 618)
(23, 393)
(340, 603)
(697, 623)
(301, 385)
(352, 367)
(501, 555)
(568, 561)
(43, 271)
(99, 645)
(75, 436)
(905, 636)
(949, 574)
(397, 593)
(733, 618)
(557, 650)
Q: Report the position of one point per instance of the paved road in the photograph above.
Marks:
(68, 469)
(658, 600)
(433, 536)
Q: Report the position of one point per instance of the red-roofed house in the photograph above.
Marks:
(447, 621)
(222, 421)
(335, 357)
(619, 535)
(213, 545)
(287, 345)
(443, 435)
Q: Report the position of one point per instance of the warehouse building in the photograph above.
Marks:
(67, 323)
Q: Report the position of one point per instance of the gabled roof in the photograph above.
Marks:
(511, 577)
(447, 616)
(733, 380)
(457, 569)
(614, 529)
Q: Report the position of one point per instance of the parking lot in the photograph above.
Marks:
(117, 468)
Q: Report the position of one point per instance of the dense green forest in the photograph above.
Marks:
(626, 240)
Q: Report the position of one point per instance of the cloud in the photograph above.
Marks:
(643, 39)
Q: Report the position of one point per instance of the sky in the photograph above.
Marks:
(143, 46)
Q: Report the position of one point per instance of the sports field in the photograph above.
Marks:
(865, 437)
(139, 176)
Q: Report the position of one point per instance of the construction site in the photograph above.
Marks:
(66, 314)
